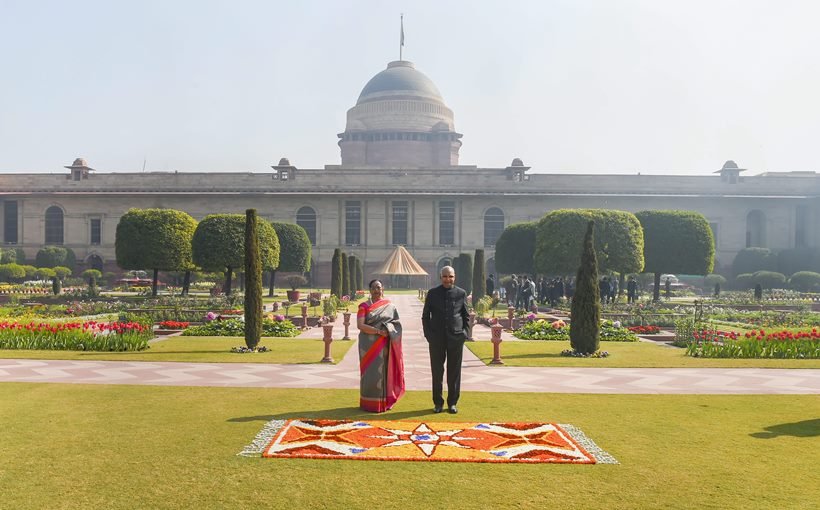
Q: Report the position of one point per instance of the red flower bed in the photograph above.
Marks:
(644, 330)
(783, 335)
(173, 325)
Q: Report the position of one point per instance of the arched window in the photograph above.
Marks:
(755, 229)
(306, 218)
(94, 262)
(54, 225)
(493, 225)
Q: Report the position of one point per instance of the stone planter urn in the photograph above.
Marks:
(327, 332)
(304, 316)
(347, 325)
(293, 296)
(496, 340)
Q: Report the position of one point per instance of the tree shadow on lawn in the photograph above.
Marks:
(805, 428)
(340, 413)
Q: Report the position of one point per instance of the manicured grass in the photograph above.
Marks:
(99, 446)
(204, 349)
(540, 353)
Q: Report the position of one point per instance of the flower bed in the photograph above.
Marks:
(236, 327)
(75, 336)
(644, 330)
(559, 330)
(755, 344)
(173, 325)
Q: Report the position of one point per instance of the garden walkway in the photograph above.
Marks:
(475, 375)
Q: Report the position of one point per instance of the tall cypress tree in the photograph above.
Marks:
(479, 276)
(586, 304)
(253, 282)
(456, 263)
(359, 274)
(336, 273)
(466, 266)
(351, 264)
(345, 275)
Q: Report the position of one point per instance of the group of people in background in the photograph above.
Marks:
(523, 291)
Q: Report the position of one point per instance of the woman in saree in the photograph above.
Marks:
(380, 360)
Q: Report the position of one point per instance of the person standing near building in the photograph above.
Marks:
(445, 320)
(631, 290)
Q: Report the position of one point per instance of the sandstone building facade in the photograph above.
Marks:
(399, 182)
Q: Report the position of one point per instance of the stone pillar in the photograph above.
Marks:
(511, 316)
(347, 325)
(327, 331)
(470, 324)
(496, 340)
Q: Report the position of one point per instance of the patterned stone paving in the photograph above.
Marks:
(475, 375)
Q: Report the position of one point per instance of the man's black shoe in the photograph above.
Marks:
(438, 409)
(452, 410)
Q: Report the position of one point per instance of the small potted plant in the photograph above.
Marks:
(295, 281)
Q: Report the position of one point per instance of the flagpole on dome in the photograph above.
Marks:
(401, 36)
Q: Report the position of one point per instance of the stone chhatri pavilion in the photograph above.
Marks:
(399, 183)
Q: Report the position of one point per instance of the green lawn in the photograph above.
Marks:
(543, 353)
(110, 446)
(204, 349)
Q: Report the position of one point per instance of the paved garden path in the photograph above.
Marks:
(475, 375)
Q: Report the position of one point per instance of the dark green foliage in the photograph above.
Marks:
(586, 304)
(351, 264)
(92, 276)
(345, 275)
(157, 239)
(770, 279)
(12, 272)
(8, 256)
(805, 281)
(336, 273)
(751, 260)
(359, 274)
(676, 242)
(52, 256)
(479, 276)
(618, 241)
(465, 279)
(253, 281)
(219, 245)
(792, 260)
(56, 286)
(515, 248)
(294, 246)
(710, 280)
(456, 263)
(758, 291)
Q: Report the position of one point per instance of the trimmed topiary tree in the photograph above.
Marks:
(219, 244)
(52, 256)
(676, 242)
(294, 248)
(92, 276)
(805, 281)
(515, 248)
(618, 241)
(253, 281)
(770, 279)
(359, 274)
(479, 276)
(336, 273)
(752, 260)
(345, 275)
(156, 239)
(586, 303)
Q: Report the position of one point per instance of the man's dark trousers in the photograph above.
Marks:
(451, 352)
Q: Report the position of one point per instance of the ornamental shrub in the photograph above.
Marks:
(586, 303)
(345, 276)
(336, 273)
(805, 281)
(52, 256)
(465, 265)
(751, 260)
(479, 276)
(253, 282)
(770, 279)
(515, 247)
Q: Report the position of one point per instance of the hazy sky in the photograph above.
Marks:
(575, 86)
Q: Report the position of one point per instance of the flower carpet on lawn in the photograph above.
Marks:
(529, 443)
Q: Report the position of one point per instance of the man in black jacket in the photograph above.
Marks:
(445, 320)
